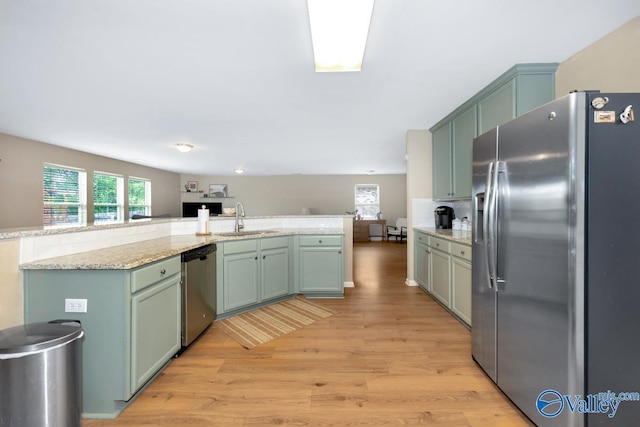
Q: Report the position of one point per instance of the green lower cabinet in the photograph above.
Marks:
(320, 269)
(442, 268)
(461, 298)
(240, 280)
(423, 266)
(252, 272)
(441, 276)
(275, 273)
(155, 331)
(131, 327)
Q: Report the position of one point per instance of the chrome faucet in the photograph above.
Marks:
(239, 222)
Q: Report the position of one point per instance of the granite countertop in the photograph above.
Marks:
(133, 255)
(459, 236)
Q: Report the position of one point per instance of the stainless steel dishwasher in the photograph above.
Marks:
(198, 291)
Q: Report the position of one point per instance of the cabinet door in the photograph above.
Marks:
(497, 108)
(321, 269)
(275, 273)
(155, 329)
(422, 266)
(442, 163)
(464, 130)
(441, 276)
(461, 292)
(240, 280)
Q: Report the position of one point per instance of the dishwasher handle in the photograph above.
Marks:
(200, 253)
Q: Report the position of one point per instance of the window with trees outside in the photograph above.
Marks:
(108, 198)
(139, 196)
(367, 200)
(64, 196)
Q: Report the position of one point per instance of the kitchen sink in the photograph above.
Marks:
(245, 233)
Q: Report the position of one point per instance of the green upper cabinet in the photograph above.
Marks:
(520, 89)
(442, 162)
(464, 130)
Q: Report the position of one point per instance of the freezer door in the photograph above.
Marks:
(483, 310)
(536, 202)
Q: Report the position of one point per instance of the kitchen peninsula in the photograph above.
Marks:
(132, 289)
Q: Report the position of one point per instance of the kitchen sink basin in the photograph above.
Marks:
(245, 233)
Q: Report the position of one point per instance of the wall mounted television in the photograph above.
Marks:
(190, 209)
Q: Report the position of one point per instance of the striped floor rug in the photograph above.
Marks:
(264, 324)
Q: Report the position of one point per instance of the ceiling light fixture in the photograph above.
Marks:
(339, 30)
(184, 148)
(238, 170)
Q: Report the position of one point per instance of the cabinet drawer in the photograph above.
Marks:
(439, 243)
(320, 241)
(150, 274)
(274, 242)
(461, 251)
(422, 238)
(240, 246)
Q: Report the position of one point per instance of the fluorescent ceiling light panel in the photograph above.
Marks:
(339, 30)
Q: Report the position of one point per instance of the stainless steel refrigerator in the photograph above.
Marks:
(556, 260)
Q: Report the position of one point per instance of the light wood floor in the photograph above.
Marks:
(390, 356)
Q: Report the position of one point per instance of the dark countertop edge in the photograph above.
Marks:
(65, 262)
(457, 236)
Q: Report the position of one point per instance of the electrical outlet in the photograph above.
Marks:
(75, 305)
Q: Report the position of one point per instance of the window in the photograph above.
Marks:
(64, 196)
(368, 200)
(139, 196)
(108, 198)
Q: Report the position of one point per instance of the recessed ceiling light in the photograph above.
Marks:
(339, 30)
(184, 148)
(238, 170)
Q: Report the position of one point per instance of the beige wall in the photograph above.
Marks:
(11, 311)
(419, 181)
(21, 166)
(611, 64)
(288, 194)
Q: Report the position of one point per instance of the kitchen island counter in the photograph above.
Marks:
(133, 255)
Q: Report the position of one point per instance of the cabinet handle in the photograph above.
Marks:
(256, 257)
(264, 257)
(163, 272)
(339, 252)
(319, 241)
(438, 244)
(461, 252)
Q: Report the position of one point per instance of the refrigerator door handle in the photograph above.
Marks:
(499, 168)
(486, 221)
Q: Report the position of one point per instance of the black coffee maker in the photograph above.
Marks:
(444, 216)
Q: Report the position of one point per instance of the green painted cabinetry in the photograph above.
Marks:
(252, 272)
(320, 265)
(520, 89)
(442, 268)
(422, 261)
(132, 325)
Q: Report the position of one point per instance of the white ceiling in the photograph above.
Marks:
(128, 79)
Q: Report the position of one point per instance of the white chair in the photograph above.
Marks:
(398, 230)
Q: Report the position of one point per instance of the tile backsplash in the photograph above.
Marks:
(423, 211)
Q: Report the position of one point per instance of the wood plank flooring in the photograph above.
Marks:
(390, 356)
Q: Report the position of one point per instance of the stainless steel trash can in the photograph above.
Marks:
(40, 375)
